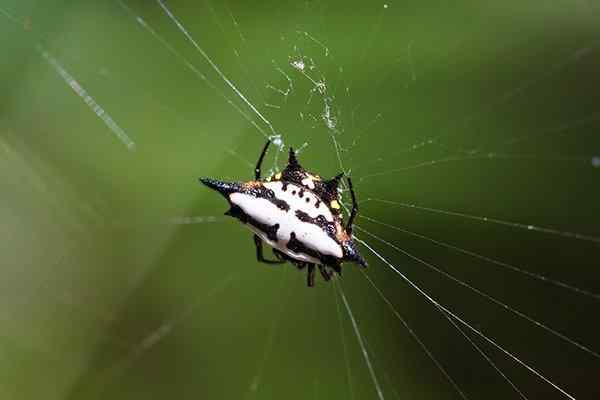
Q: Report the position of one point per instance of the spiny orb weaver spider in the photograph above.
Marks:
(298, 214)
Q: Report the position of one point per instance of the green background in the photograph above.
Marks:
(120, 278)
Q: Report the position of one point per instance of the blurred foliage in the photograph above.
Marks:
(121, 278)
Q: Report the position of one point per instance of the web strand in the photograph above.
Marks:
(360, 341)
(518, 225)
(491, 156)
(430, 355)
(345, 348)
(240, 64)
(502, 100)
(215, 67)
(87, 99)
(268, 348)
(486, 357)
(501, 264)
(446, 310)
(485, 295)
(416, 338)
(191, 67)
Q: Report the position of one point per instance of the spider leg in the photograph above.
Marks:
(279, 255)
(324, 273)
(292, 160)
(260, 160)
(310, 279)
(354, 208)
(337, 269)
(259, 253)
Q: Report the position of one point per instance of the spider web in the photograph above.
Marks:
(470, 133)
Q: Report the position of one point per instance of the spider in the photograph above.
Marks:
(298, 214)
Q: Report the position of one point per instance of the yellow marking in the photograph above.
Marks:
(278, 176)
(268, 179)
(335, 205)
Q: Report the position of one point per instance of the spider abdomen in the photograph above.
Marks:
(299, 229)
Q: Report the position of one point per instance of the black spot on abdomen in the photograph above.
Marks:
(263, 193)
(304, 217)
(236, 212)
(281, 204)
(270, 231)
(298, 247)
(320, 221)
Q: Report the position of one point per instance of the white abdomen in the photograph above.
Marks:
(309, 234)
